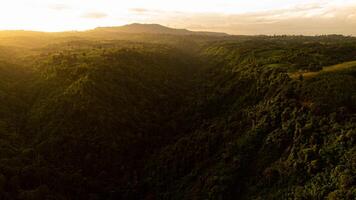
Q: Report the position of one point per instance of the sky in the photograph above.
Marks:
(251, 17)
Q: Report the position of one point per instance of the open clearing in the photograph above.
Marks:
(332, 68)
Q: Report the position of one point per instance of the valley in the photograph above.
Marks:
(149, 112)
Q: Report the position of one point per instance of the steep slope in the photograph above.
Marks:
(97, 113)
(262, 134)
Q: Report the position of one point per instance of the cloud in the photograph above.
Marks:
(307, 7)
(94, 15)
(307, 19)
(59, 7)
(139, 10)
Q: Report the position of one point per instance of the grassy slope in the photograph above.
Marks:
(333, 68)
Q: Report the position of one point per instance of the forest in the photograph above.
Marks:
(170, 114)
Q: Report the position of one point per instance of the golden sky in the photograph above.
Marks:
(308, 17)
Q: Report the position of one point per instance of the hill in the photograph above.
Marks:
(153, 29)
(32, 41)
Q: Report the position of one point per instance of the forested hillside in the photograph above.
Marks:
(109, 115)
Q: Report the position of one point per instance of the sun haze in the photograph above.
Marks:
(235, 17)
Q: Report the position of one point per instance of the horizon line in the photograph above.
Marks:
(177, 28)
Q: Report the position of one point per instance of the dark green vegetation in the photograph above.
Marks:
(110, 115)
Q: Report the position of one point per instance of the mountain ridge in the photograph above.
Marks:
(134, 28)
(155, 29)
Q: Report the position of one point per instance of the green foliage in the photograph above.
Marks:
(176, 117)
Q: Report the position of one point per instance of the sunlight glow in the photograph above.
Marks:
(61, 15)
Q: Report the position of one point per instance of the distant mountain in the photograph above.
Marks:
(25, 39)
(137, 28)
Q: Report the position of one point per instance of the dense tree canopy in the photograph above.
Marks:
(176, 117)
